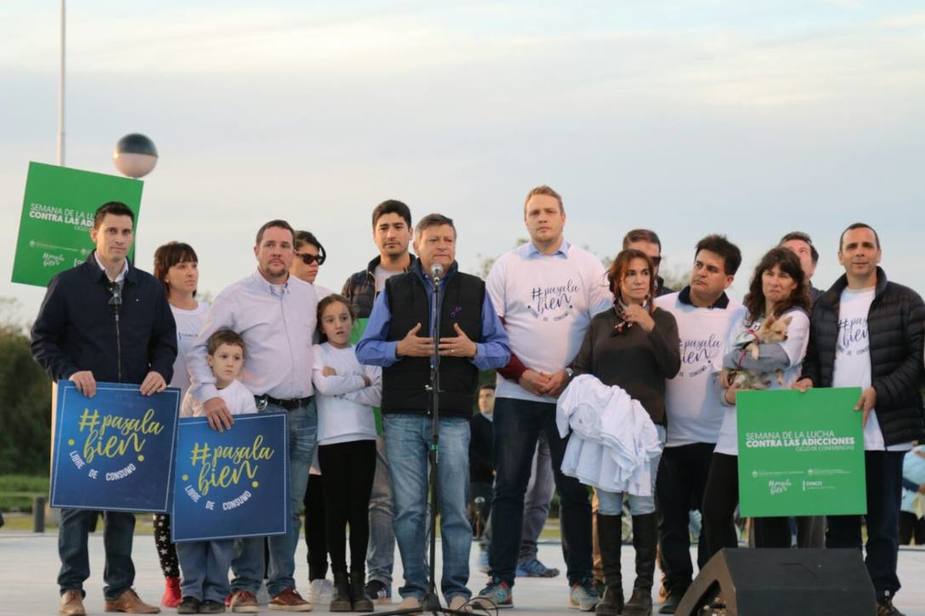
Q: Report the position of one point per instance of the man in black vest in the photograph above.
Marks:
(104, 320)
(471, 338)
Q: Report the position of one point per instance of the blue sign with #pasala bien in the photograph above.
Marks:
(233, 483)
(114, 451)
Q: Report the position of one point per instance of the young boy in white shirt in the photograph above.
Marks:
(205, 564)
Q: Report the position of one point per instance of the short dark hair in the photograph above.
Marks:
(548, 191)
(279, 223)
(116, 208)
(392, 206)
(307, 237)
(641, 235)
(490, 386)
(799, 236)
(168, 255)
(433, 220)
(327, 300)
(858, 225)
(225, 336)
(718, 244)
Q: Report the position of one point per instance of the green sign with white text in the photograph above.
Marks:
(800, 453)
(57, 215)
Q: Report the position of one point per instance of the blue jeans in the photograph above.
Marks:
(119, 573)
(537, 499)
(517, 426)
(204, 565)
(380, 555)
(611, 503)
(884, 471)
(247, 562)
(407, 442)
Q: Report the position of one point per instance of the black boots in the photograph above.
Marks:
(645, 541)
(340, 598)
(609, 534)
(361, 601)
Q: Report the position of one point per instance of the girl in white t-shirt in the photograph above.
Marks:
(778, 288)
(346, 394)
(177, 267)
(205, 564)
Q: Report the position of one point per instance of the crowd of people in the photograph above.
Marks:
(351, 370)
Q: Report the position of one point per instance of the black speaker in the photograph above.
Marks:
(772, 582)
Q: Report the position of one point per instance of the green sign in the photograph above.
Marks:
(801, 453)
(359, 326)
(57, 215)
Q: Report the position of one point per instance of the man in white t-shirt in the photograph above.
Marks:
(868, 332)
(545, 292)
(704, 314)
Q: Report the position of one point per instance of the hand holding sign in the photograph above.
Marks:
(866, 403)
(85, 382)
(217, 413)
(153, 383)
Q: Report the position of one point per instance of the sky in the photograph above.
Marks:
(689, 117)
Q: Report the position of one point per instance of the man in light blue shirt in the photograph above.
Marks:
(400, 338)
(275, 313)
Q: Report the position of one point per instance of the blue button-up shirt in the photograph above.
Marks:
(492, 350)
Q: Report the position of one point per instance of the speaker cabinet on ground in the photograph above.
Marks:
(777, 582)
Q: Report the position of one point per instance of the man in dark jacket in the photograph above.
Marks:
(392, 234)
(800, 243)
(104, 320)
(868, 332)
(400, 338)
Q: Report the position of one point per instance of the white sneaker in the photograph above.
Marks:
(320, 591)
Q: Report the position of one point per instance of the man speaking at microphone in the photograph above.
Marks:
(104, 320)
(400, 338)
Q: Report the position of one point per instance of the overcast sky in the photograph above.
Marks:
(689, 117)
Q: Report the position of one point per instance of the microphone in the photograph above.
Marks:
(436, 272)
(115, 290)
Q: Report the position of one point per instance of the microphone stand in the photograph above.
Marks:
(431, 602)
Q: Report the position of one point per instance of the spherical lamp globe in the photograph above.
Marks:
(135, 155)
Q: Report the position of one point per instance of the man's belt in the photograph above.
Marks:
(290, 405)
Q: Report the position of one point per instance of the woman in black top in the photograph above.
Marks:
(635, 346)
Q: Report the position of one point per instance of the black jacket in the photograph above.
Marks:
(76, 327)
(360, 288)
(895, 334)
(403, 383)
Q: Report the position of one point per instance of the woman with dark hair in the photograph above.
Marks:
(177, 267)
(778, 290)
(634, 346)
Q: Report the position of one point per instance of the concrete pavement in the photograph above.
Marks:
(29, 565)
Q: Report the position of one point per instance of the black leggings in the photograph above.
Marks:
(720, 499)
(166, 552)
(315, 531)
(347, 470)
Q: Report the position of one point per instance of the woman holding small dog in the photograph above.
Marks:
(635, 346)
(766, 353)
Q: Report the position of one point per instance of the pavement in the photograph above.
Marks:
(29, 565)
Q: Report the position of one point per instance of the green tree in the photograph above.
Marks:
(25, 406)
(25, 399)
